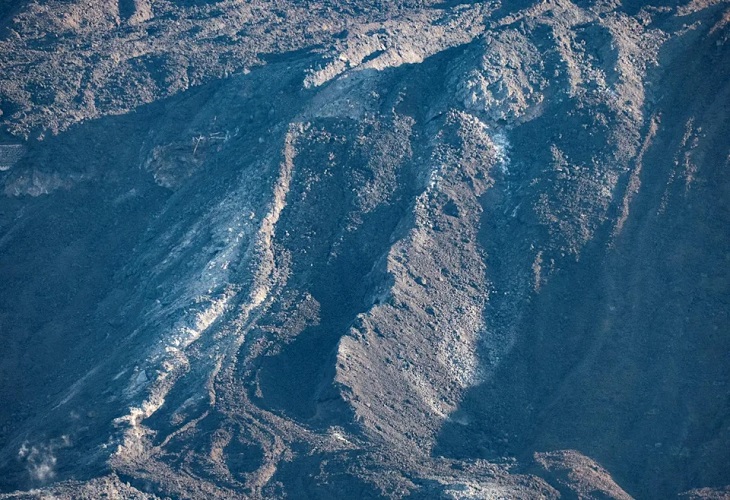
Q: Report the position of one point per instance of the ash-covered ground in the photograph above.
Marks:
(349, 249)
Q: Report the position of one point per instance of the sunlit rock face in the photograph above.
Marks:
(364, 249)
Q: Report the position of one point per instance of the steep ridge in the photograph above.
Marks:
(459, 250)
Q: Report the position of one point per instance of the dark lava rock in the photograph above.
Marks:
(333, 249)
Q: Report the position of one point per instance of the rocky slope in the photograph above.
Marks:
(367, 249)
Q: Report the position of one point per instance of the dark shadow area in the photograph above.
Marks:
(623, 355)
(58, 258)
(127, 8)
(75, 264)
(337, 280)
(337, 266)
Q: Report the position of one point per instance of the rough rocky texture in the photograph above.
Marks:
(375, 249)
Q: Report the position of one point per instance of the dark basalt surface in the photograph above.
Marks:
(346, 249)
